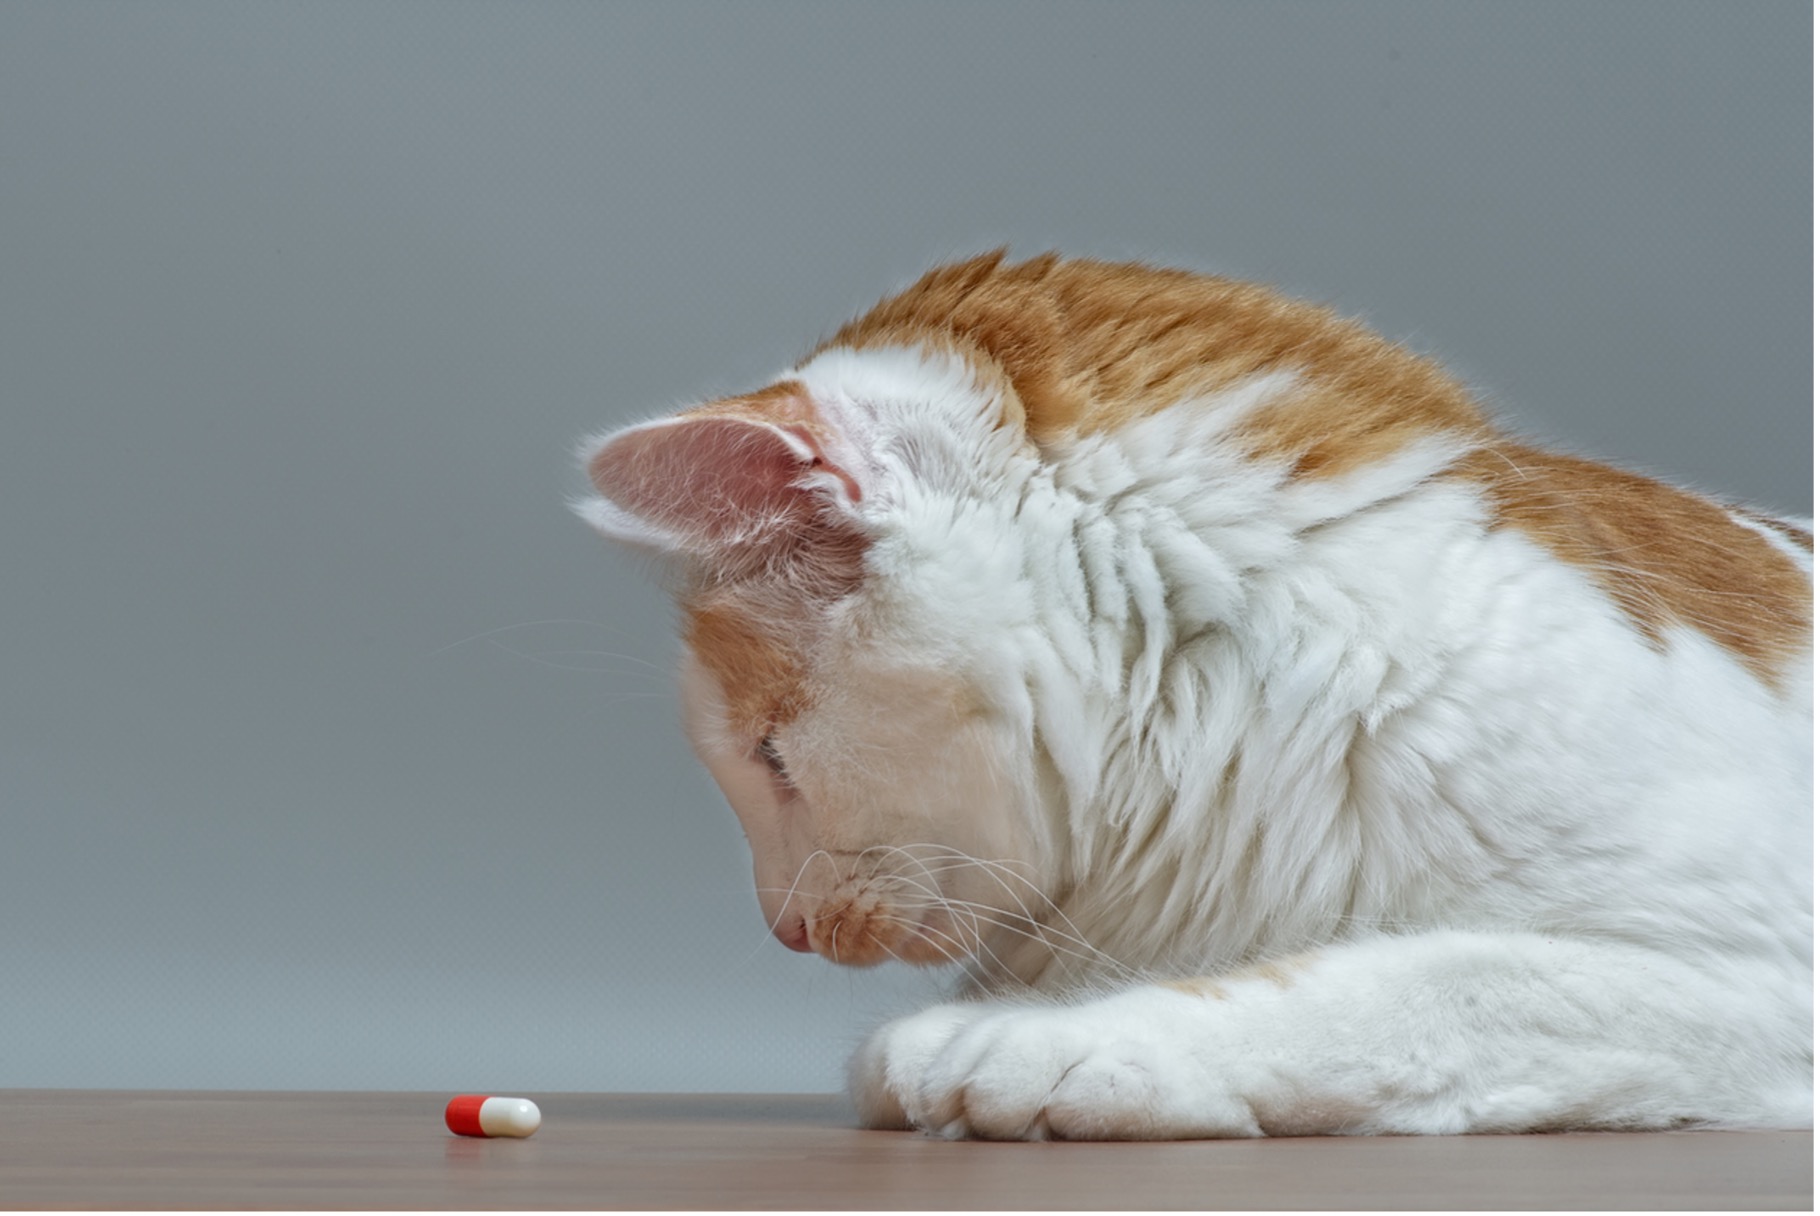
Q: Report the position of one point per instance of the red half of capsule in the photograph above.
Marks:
(463, 1115)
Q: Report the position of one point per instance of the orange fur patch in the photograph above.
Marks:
(785, 403)
(760, 677)
(1210, 989)
(1280, 972)
(1089, 346)
(1663, 556)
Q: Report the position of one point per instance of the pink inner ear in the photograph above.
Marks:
(715, 478)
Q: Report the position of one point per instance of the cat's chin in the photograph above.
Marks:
(864, 934)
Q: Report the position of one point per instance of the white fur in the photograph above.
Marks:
(1536, 872)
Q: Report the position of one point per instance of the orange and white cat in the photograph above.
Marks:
(1281, 747)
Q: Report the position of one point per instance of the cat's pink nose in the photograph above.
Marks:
(792, 932)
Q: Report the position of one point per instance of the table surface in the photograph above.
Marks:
(261, 1150)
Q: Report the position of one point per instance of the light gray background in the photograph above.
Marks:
(335, 753)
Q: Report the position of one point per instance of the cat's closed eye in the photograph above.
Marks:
(767, 752)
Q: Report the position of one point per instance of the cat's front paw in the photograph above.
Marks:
(1108, 1071)
(885, 1075)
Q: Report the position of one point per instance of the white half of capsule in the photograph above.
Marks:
(509, 1117)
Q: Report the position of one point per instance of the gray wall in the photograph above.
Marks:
(335, 753)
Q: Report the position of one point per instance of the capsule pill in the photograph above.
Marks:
(480, 1115)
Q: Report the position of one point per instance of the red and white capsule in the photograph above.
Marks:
(481, 1115)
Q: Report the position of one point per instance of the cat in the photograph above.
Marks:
(1280, 747)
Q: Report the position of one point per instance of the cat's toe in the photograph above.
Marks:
(874, 1103)
(1132, 1091)
(995, 1078)
(885, 1075)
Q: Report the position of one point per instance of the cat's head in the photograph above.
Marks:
(847, 573)
(949, 588)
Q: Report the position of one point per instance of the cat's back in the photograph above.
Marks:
(1086, 351)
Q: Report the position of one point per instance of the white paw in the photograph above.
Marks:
(1100, 1072)
(893, 1061)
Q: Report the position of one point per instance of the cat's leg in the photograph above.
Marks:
(1438, 1033)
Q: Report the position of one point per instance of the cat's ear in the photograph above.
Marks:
(729, 474)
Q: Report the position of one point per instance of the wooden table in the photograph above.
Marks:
(166, 1149)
